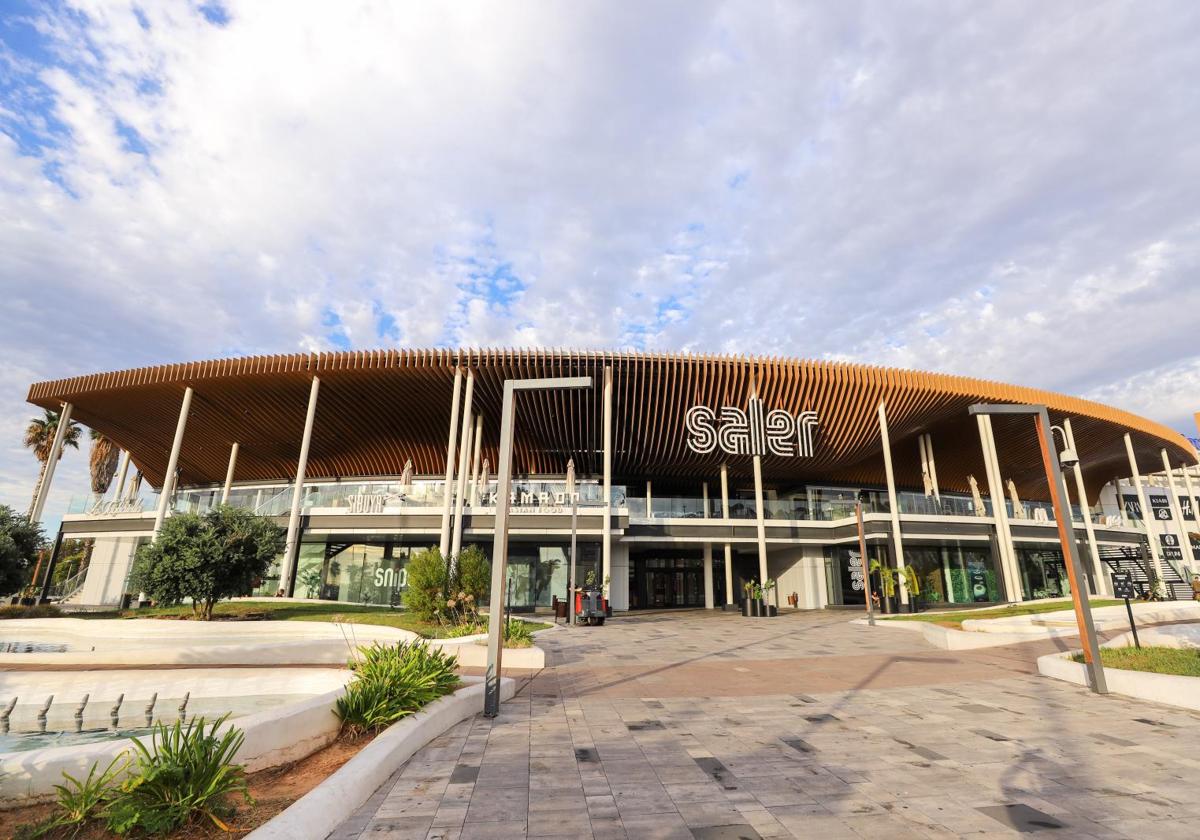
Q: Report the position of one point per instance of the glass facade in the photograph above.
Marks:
(954, 574)
(1043, 573)
(845, 573)
(668, 581)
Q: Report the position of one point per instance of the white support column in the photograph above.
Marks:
(464, 464)
(448, 491)
(937, 492)
(233, 453)
(1009, 568)
(1103, 585)
(122, 475)
(477, 443)
(291, 551)
(893, 500)
(1187, 482)
(606, 545)
(164, 496)
(1185, 545)
(728, 547)
(1147, 514)
(60, 433)
(649, 501)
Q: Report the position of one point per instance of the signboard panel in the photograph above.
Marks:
(1185, 508)
(1133, 507)
(1123, 585)
(1171, 548)
(1161, 507)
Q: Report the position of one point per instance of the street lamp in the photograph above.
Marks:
(1066, 531)
(574, 520)
(491, 690)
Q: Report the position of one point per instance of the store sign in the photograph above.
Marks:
(754, 431)
(1185, 508)
(1171, 549)
(1161, 507)
(117, 507)
(366, 503)
(391, 578)
(855, 562)
(1133, 507)
(528, 502)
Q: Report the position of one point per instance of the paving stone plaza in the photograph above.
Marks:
(711, 726)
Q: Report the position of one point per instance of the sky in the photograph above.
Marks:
(1008, 190)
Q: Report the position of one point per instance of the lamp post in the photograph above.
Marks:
(1066, 531)
(491, 692)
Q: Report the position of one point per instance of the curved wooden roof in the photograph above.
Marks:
(378, 408)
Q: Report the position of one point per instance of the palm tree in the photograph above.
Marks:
(39, 436)
(102, 462)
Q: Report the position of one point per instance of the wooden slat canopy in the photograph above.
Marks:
(379, 408)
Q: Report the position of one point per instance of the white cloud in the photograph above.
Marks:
(1000, 190)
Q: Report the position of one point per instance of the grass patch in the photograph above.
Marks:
(36, 611)
(1184, 662)
(954, 620)
(268, 610)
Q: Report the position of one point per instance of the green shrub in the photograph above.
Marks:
(392, 682)
(517, 634)
(428, 581)
(460, 630)
(38, 611)
(78, 800)
(189, 773)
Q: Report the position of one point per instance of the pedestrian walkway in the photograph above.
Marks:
(867, 733)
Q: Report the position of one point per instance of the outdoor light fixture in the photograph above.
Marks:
(1066, 531)
(491, 689)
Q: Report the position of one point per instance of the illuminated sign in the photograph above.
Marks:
(754, 431)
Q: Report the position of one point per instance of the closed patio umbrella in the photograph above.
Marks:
(1018, 510)
(406, 476)
(980, 510)
(483, 479)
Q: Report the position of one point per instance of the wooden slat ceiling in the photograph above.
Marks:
(378, 408)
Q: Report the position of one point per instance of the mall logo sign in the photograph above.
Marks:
(754, 431)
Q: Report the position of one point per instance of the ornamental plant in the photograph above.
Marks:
(392, 682)
(20, 540)
(207, 558)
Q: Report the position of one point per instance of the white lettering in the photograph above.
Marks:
(750, 432)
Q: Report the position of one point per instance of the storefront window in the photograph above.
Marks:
(1043, 573)
(954, 574)
(845, 573)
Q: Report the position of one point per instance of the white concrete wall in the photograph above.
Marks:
(801, 570)
(104, 583)
(619, 586)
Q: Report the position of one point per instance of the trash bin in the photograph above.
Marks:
(560, 609)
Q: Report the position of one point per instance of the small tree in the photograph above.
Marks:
(20, 541)
(428, 580)
(207, 558)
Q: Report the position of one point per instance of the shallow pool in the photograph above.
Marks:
(60, 728)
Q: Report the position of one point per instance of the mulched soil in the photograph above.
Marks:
(273, 790)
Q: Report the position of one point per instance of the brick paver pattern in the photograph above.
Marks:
(705, 726)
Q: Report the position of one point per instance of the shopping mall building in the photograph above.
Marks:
(695, 474)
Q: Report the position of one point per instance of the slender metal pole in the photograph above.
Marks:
(491, 695)
(862, 553)
(233, 453)
(448, 489)
(606, 549)
(574, 522)
(64, 422)
(1102, 583)
(291, 552)
(728, 547)
(164, 498)
(1066, 535)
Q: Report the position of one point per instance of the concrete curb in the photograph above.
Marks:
(1172, 690)
(331, 803)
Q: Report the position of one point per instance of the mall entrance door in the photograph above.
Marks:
(667, 579)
